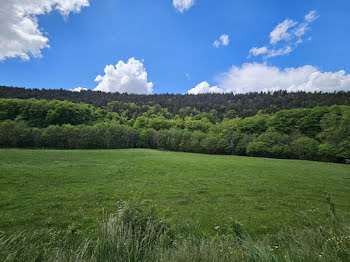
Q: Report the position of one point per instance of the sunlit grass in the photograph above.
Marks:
(196, 193)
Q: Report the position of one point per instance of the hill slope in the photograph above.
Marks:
(196, 192)
(244, 104)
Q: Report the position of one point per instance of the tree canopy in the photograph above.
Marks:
(319, 133)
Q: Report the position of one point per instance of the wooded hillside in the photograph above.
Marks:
(244, 104)
(319, 133)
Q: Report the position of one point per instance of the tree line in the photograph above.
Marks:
(319, 133)
(244, 104)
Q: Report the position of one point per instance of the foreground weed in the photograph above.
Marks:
(133, 234)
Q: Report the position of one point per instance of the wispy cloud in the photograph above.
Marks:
(285, 37)
(312, 16)
(280, 51)
(281, 31)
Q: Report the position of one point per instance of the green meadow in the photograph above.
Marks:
(194, 192)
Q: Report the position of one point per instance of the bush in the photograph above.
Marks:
(19, 134)
(241, 146)
(53, 137)
(257, 149)
(344, 150)
(214, 144)
(305, 148)
(8, 137)
(327, 152)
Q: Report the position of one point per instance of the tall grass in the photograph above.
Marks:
(135, 235)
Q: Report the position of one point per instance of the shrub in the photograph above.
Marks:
(53, 137)
(214, 144)
(305, 148)
(327, 152)
(241, 147)
(344, 150)
(257, 149)
(8, 136)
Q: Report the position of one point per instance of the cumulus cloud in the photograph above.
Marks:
(20, 35)
(130, 77)
(204, 88)
(285, 37)
(183, 5)
(223, 40)
(78, 89)
(257, 77)
(260, 77)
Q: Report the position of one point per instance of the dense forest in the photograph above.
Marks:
(319, 133)
(244, 104)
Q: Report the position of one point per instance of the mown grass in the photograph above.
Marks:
(68, 190)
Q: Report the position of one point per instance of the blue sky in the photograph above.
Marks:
(176, 48)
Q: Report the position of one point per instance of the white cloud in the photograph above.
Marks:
(285, 37)
(183, 5)
(281, 31)
(223, 40)
(278, 52)
(20, 35)
(312, 16)
(78, 89)
(204, 88)
(130, 77)
(256, 77)
(301, 29)
(255, 51)
(216, 43)
(305, 26)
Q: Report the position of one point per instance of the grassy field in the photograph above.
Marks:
(48, 188)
